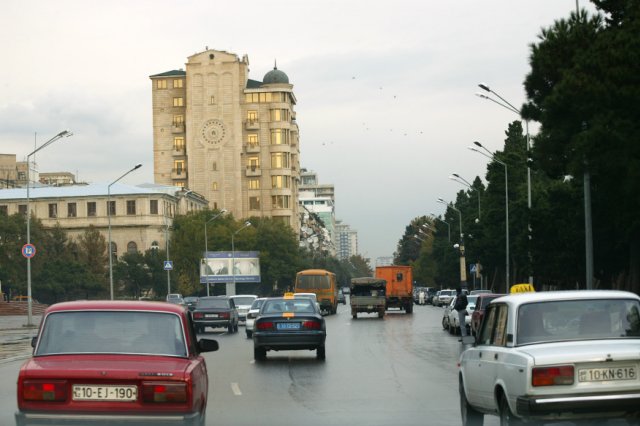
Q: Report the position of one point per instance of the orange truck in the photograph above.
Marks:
(399, 292)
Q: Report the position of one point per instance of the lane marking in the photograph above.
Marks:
(236, 389)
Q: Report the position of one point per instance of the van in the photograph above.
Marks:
(323, 284)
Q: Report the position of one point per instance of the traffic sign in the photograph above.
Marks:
(472, 268)
(168, 265)
(28, 250)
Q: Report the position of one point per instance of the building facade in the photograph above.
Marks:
(347, 241)
(232, 139)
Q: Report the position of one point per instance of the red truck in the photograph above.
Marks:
(399, 292)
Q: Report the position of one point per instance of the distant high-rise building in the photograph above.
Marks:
(318, 199)
(384, 261)
(347, 239)
(232, 139)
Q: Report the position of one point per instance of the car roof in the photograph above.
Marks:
(243, 295)
(518, 299)
(215, 297)
(114, 305)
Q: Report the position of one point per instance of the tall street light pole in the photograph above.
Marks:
(206, 241)
(492, 157)
(507, 105)
(233, 256)
(460, 246)
(456, 177)
(137, 166)
(63, 134)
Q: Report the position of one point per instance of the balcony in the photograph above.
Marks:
(178, 173)
(253, 171)
(179, 151)
(177, 128)
(252, 147)
(252, 125)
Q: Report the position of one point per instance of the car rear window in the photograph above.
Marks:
(213, 303)
(292, 305)
(243, 300)
(113, 332)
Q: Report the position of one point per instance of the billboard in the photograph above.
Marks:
(215, 267)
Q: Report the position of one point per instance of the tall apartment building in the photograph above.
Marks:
(232, 139)
(347, 241)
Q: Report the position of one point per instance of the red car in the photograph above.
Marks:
(478, 312)
(115, 362)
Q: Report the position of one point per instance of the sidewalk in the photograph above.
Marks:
(15, 336)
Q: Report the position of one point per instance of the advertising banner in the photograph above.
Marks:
(216, 267)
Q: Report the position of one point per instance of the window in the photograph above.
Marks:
(280, 160)
(178, 120)
(254, 183)
(179, 184)
(111, 206)
(131, 207)
(279, 137)
(284, 219)
(214, 186)
(252, 140)
(178, 167)
(161, 84)
(178, 83)
(280, 201)
(72, 210)
(252, 116)
(253, 163)
(212, 100)
(178, 102)
(280, 114)
(91, 208)
(132, 247)
(214, 166)
(53, 210)
(254, 203)
(22, 209)
(178, 143)
(278, 182)
(259, 97)
(153, 206)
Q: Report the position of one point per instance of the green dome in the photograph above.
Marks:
(275, 76)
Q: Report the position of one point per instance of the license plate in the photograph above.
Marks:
(104, 393)
(288, 326)
(211, 315)
(607, 374)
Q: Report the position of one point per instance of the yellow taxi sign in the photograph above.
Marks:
(522, 288)
(289, 295)
(288, 314)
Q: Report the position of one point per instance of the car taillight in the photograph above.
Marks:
(164, 392)
(224, 315)
(551, 376)
(198, 315)
(37, 390)
(264, 325)
(311, 325)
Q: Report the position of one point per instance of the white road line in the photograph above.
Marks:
(236, 389)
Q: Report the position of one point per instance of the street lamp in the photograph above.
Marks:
(63, 134)
(440, 200)
(446, 223)
(492, 157)
(206, 241)
(137, 166)
(233, 254)
(463, 265)
(456, 177)
(507, 105)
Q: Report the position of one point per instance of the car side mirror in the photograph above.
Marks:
(208, 345)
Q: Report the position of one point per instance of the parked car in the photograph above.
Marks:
(190, 302)
(243, 303)
(471, 304)
(445, 296)
(478, 311)
(175, 298)
(97, 357)
(215, 311)
(289, 323)
(252, 314)
(446, 316)
(549, 356)
(480, 291)
(341, 297)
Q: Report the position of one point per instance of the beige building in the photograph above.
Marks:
(8, 171)
(140, 215)
(232, 139)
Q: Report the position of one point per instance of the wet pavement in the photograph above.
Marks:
(15, 336)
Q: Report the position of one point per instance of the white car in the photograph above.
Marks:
(446, 315)
(471, 305)
(551, 356)
(312, 296)
(254, 309)
(243, 303)
(445, 297)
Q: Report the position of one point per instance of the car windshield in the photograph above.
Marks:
(278, 306)
(244, 300)
(471, 302)
(578, 320)
(257, 304)
(213, 303)
(113, 332)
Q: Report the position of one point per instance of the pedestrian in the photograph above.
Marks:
(421, 297)
(461, 307)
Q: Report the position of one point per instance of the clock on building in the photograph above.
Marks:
(213, 131)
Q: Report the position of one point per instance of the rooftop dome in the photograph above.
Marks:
(275, 76)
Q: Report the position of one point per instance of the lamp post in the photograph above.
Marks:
(460, 246)
(206, 241)
(233, 255)
(63, 134)
(446, 223)
(507, 105)
(492, 157)
(137, 166)
(456, 177)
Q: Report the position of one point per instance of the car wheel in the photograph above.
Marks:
(470, 416)
(259, 354)
(230, 328)
(320, 354)
(450, 328)
(507, 418)
(248, 334)
(445, 326)
(235, 329)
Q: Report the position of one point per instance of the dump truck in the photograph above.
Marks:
(399, 292)
(368, 295)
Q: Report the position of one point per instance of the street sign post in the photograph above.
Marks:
(28, 250)
(168, 265)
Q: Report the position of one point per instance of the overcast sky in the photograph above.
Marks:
(385, 89)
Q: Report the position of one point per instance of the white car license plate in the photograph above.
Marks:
(607, 374)
(104, 393)
(211, 315)
(288, 326)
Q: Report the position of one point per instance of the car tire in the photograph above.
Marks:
(470, 416)
(445, 324)
(235, 329)
(248, 334)
(230, 328)
(259, 354)
(507, 418)
(320, 352)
